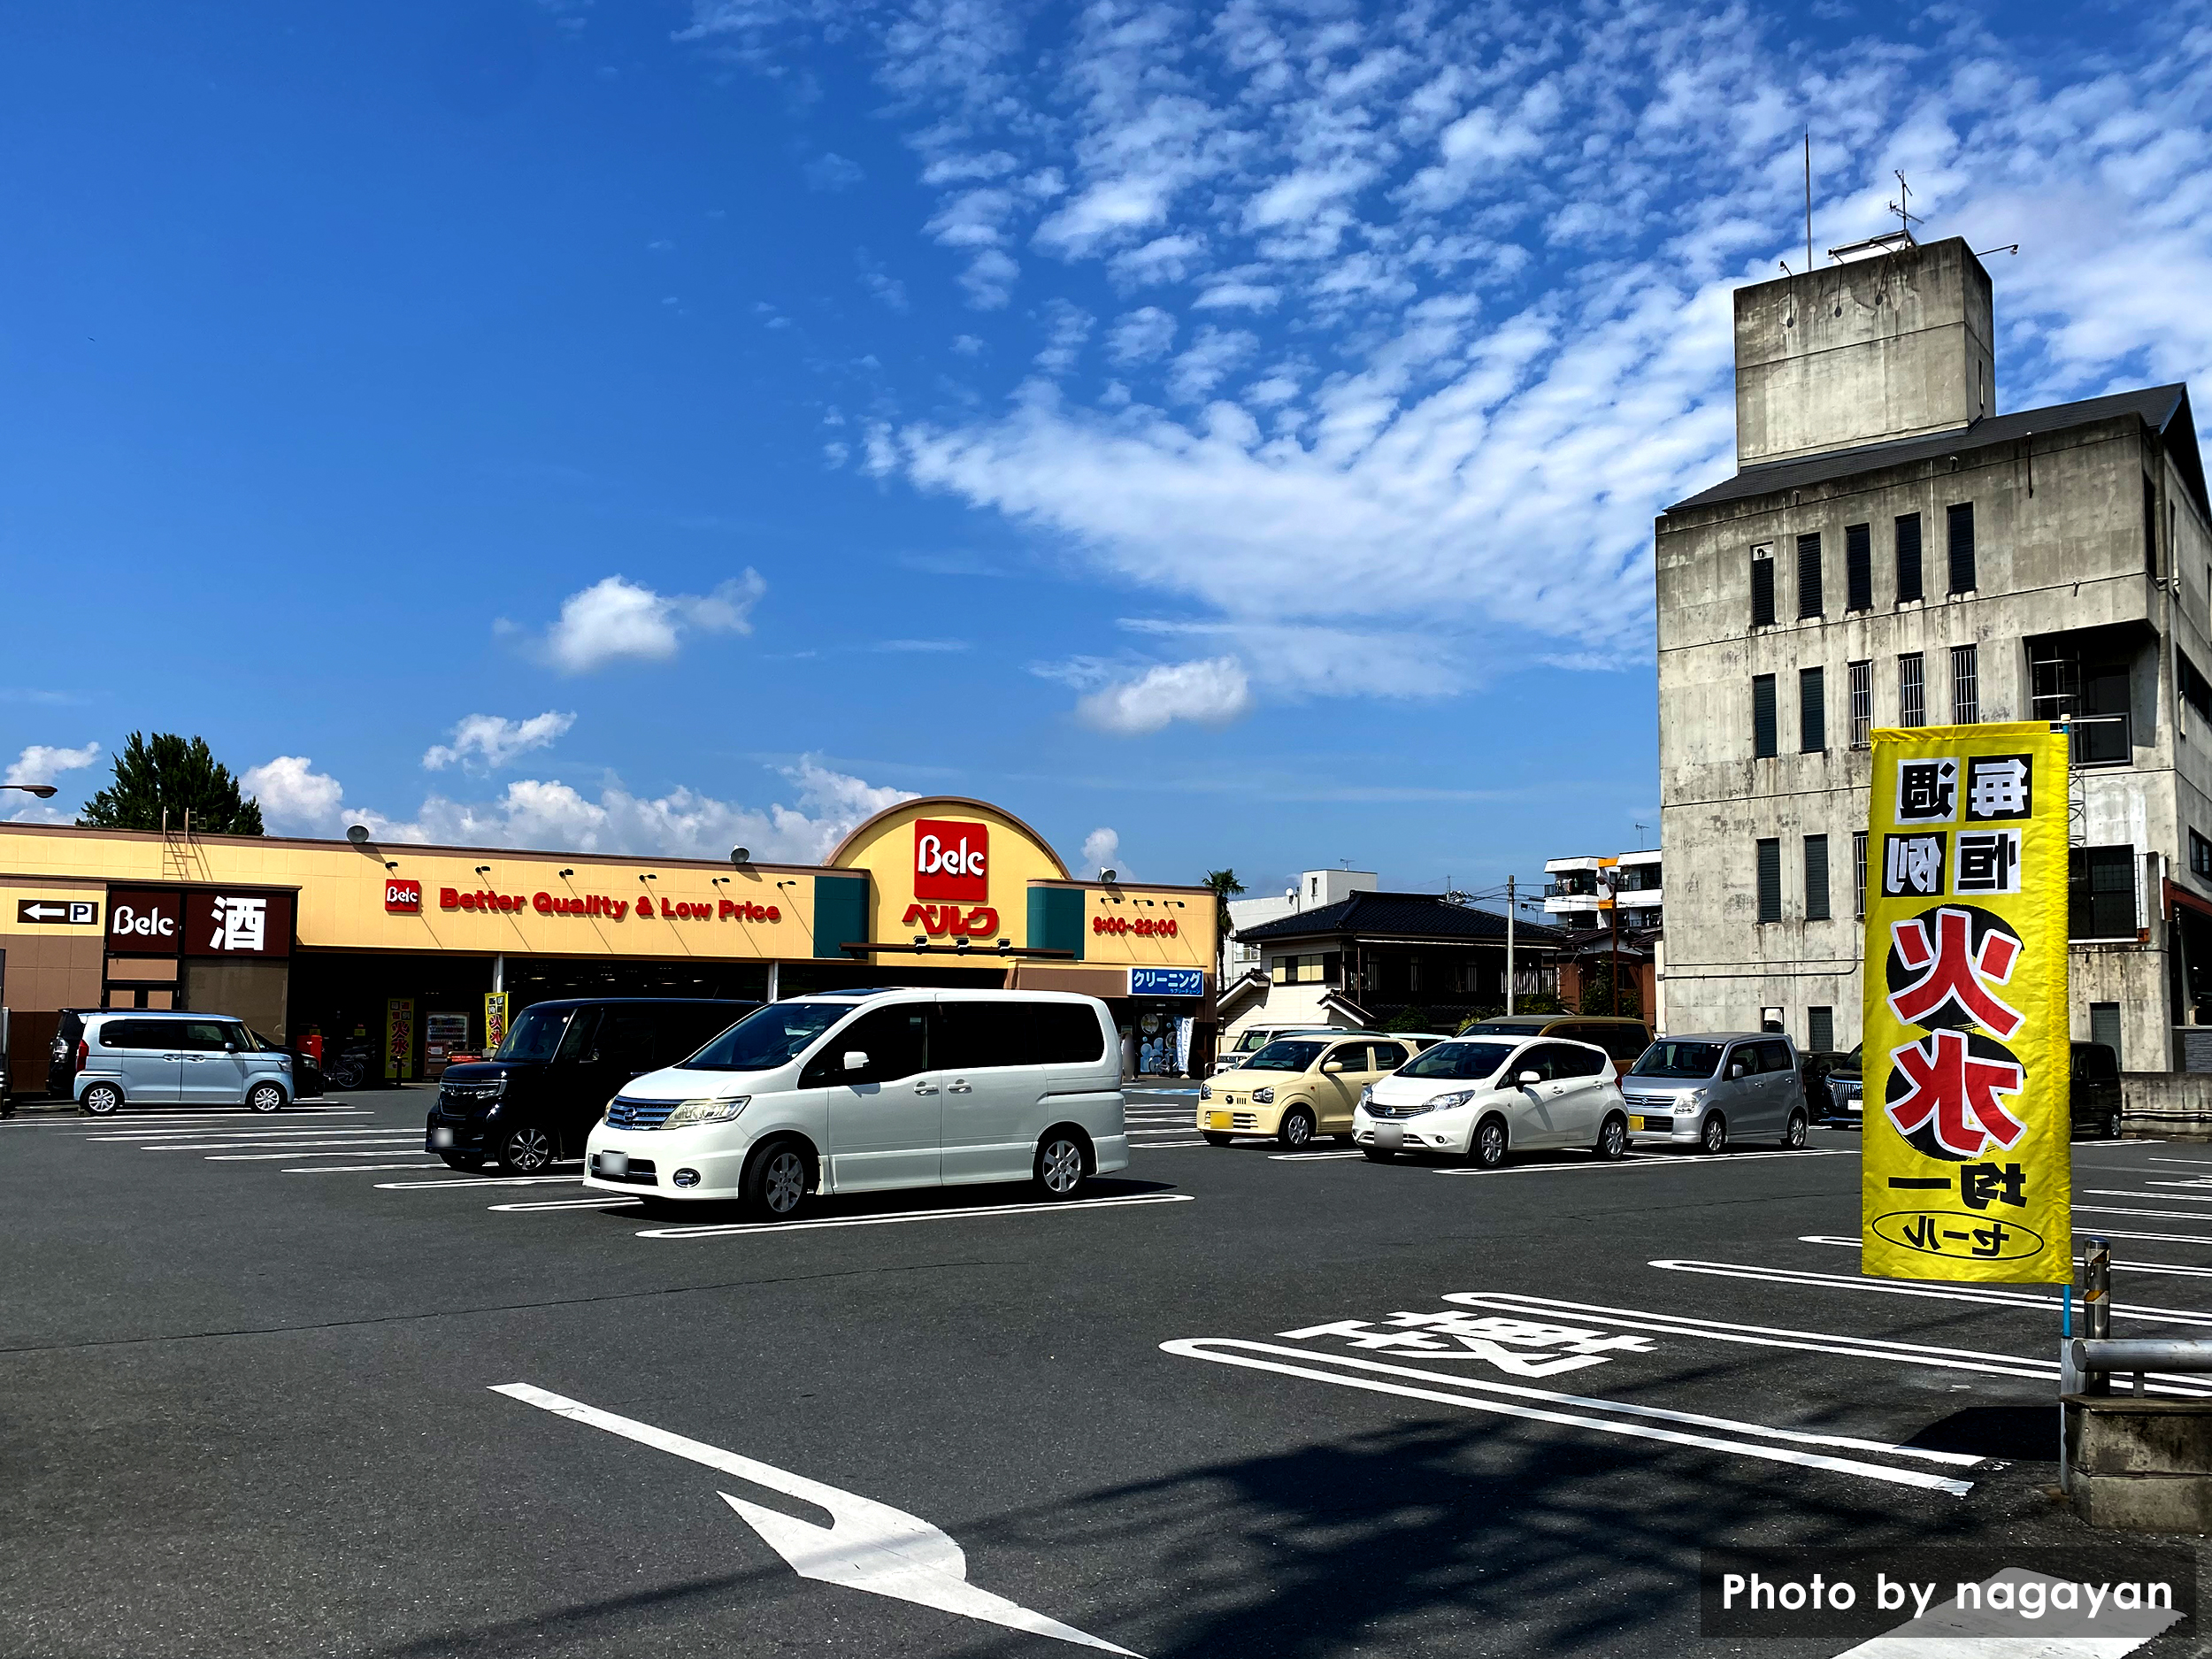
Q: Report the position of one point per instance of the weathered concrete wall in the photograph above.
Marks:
(2171, 1104)
(1850, 354)
(2060, 547)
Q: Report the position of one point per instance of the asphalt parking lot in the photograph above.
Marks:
(291, 1388)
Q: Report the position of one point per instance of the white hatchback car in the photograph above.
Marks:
(859, 1091)
(1478, 1098)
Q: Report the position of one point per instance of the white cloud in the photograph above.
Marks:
(1211, 691)
(294, 795)
(553, 816)
(1141, 335)
(617, 620)
(1102, 850)
(41, 763)
(830, 171)
(488, 742)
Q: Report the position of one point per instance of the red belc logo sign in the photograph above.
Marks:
(403, 898)
(949, 858)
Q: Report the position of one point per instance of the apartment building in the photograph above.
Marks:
(1893, 552)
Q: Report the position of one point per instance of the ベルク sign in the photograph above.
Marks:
(402, 897)
(146, 922)
(1966, 1168)
(950, 860)
(59, 912)
(1167, 982)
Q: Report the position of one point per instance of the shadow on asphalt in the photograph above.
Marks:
(901, 1201)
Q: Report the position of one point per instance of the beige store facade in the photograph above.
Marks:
(343, 941)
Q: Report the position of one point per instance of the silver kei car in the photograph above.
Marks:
(154, 1057)
(1705, 1091)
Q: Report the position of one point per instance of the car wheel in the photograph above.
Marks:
(1713, 1139)
(777, 1182)
(1295, 1133)
(1793, 1135)
(525, 1150)
(265, 1098)
(1488, 1151)
(462, 1160)
(1613, 1137)
(1215, 1138)
(1062, 1163)
(2112, 1127)
(1378, 1155)
(102, 1100)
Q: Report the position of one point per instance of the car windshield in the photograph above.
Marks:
(1678, 1059)
(767, 1037)
(536, 1035)
(1462, 1061)
(1848, 1066)
(269, 1047)
(1251, 1043)
(1286, 1056)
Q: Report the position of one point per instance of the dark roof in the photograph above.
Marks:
(1404, 914)
(2164, 409)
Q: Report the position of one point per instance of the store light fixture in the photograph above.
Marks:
(922, 939)
(483, 869)
(566, 874)
(959, 944)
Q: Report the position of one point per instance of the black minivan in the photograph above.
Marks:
(538, 1096)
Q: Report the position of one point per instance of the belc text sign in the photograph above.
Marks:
(950, 860)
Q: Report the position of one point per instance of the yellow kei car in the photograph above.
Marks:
(1296, 1088)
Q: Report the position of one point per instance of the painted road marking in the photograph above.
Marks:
(565, 1203)
(1165, 1145)
(2160, 1214)
(1657, 1161)
(278, 1146)
(2126, 1265)
(1782, 1337)
(1471, 1393)
(712, 1229)
(305, 1152)
(867, 1546)
(108, 1131)
(2185, 1197)
(479, 1180)
(357, 1169)
(1311, 1157)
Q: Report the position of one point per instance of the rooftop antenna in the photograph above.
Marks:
(1641, 830)
(1808, 198)
(1905, 219)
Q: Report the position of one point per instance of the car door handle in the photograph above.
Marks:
(924, 1088)
(961, 1086)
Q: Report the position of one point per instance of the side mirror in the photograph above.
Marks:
(1332, 1066)
(1734, 1072)
(230, 1048)
(855, 1059)
(1528, 1079)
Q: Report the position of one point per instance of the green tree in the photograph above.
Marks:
(1225, 887)
(1597, 990)
(175, 775)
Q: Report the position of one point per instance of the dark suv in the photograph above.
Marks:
(538, 1096)
(2092, 1091)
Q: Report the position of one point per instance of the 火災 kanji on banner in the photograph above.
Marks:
(1967, 1055)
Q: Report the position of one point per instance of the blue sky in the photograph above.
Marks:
(1222, 434)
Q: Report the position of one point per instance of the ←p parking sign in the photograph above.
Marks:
(1966, 1172)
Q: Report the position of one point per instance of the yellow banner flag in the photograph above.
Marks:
(1966, 1170)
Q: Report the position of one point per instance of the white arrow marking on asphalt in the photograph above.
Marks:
(867, 1546)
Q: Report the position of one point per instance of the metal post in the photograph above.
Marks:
(772, 976)
(2096, 1297)
(1510, 905)
(2067, 1384)
(499, 972)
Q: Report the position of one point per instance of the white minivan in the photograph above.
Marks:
(859, 1091)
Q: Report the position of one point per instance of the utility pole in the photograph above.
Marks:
(1616, 908)
(1511, 906)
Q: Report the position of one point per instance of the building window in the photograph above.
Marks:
(1764, 740)
(1861, 686)
(1300, 970)
(2150, 529)
(1912, 698)
(1763, 587)
(2199, 856)
(2092, 697)
(2100, 894)
(2195, 691)
(1966, 697)
(1961, 548)
(1816, 878)
(1812, 709)
(1908, 556)
(1820, 1030)
(1769, 881)
(2104, 1026)
(1858, 871)
(1809, 575)
(1858, 567)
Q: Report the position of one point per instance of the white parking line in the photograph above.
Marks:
(2165, 1198)
(108, 1131)
(1311, 1157)
(2127, 1265)
(303, 1152)
(2161, 1214)
(564, 1203)
(1481, 1395)
(481, 1180)
(1988, 1295)
(279, 1148)
(1655, 1161)
(1163, 1146)
(2159, 1160)
(357, 1169)
(1782, 1337)
(712, 1230)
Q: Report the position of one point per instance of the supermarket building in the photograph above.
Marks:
(410, 949)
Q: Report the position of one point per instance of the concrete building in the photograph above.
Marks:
(1314, 889)
(1585, 890)
(1894, 552)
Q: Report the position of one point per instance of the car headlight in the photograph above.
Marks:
(1205, 1091)
(720, 1110)
(1689, 1102)
(1445, 1102)
(1263, 1097)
